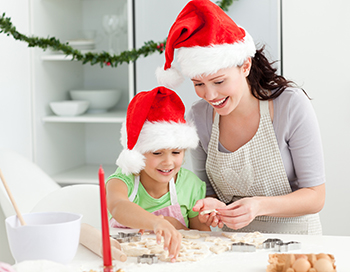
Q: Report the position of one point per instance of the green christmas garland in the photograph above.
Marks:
(103, 58)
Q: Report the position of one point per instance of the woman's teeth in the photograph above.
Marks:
(219, 102)
(165, 171)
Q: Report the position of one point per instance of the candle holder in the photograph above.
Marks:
(108, 268)
(111, 269)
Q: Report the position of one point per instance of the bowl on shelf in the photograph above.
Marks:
(69, 107)
(100, 100)
(52, 236)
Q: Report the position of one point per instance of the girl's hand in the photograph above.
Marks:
(209, 203)
(172, 238)
(176, 223)
(239, 213)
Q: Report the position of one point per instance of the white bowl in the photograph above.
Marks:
(52, 236)
(100, 100)
(69, 107)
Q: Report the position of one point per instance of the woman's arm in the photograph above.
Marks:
(132, 215)
(303, 201)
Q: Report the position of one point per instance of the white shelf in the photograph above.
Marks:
(60, 57)
(107, 117)
(85, 174)
(56, 57)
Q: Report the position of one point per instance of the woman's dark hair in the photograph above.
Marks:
(263, 77)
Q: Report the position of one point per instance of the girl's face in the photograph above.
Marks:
(225, 89)
(163, 164)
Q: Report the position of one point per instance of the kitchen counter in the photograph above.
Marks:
(228, 261)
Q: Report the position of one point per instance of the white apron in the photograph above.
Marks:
(255, 169)
(174, 210)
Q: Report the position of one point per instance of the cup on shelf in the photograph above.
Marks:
(113, 25)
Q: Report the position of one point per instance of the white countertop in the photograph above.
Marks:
(228, 261)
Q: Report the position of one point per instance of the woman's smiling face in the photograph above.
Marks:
(224, 89)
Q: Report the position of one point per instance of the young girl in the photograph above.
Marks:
(150, 190)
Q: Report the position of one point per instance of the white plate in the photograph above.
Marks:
(81, 42)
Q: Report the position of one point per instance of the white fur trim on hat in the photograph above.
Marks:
(166, 135)
(131, 161)
(170, 78)
(155, 136)
(196, 61)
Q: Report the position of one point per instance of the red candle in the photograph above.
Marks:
(106, 243)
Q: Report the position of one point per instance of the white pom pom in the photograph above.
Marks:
(131, 161)
(170, 78)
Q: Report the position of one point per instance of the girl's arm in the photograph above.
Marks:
(176, 223)
(196, 224)
(132, 215)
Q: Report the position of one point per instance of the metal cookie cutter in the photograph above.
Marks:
(283, 247)
(147, 258)
(243, 247)
(271, 243)
(123, 237)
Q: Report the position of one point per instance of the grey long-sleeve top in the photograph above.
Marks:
(297, 133)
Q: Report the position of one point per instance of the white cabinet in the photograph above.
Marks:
(71, 149)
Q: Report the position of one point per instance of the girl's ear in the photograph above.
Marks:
(246, 66)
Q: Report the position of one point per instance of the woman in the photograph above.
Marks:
(260, 150)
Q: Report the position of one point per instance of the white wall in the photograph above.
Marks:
(15, 97)
(15, 91)
(316, 41)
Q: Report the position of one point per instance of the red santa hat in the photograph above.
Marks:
(208, 40)
(154, 121)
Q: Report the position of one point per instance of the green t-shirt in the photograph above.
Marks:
(189, 189)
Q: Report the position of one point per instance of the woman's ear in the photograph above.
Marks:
(246, 66)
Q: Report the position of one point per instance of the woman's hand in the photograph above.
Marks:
(239, 213)
(209, 203)
(172, 238)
